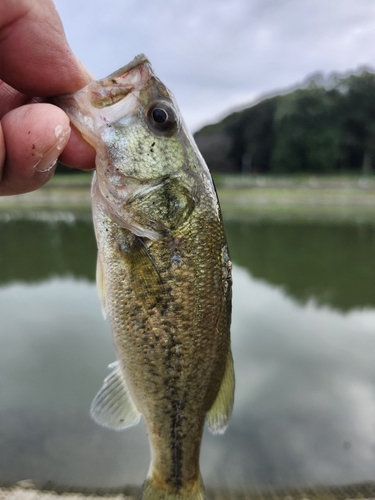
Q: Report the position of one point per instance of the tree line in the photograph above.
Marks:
(322, 128)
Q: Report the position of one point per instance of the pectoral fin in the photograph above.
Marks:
(100, 283)
(219, 414)
(113, 406)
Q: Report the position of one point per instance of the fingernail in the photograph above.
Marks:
(48, 159)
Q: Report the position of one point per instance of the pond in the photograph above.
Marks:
(303, 343)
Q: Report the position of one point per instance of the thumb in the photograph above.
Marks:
(33, 136)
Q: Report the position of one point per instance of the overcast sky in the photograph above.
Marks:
(218, 54)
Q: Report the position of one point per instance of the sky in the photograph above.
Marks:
(219, 55)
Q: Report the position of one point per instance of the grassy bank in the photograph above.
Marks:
(251, 197)
(337, 198)
(63, 192)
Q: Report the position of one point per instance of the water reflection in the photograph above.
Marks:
(334, 263)
(305, 406)
(55, 349)
(47, 244)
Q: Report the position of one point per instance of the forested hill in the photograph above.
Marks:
(322, 128)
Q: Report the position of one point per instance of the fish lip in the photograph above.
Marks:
(139, 60)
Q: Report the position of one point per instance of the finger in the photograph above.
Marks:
(34, 136)
(78, 153)
(10, 98)
(2, 152)
(35, 57)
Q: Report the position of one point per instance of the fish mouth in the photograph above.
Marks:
(115, 87)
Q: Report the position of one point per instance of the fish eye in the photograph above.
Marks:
(161, 118)
(159, 115)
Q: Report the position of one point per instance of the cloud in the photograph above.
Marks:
(217, 54)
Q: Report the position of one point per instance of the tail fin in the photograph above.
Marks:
(153, 491)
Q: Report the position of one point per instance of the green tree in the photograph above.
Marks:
(358, 120)
(252, 137)
(307, 131)
(323, 128)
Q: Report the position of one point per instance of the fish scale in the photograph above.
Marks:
(163, 274)
(196, 289)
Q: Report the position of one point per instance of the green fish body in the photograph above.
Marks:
(163, 274)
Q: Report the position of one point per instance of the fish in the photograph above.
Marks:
(163, 274)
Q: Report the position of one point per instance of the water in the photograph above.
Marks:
(303, 344)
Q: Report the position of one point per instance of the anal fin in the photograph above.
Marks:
(113, 406)
(218, 415)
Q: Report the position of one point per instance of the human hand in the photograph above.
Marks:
(36, 60)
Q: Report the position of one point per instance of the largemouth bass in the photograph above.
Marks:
(163, 274)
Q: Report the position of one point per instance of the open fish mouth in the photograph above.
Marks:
(108, 100)
(115, 87)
